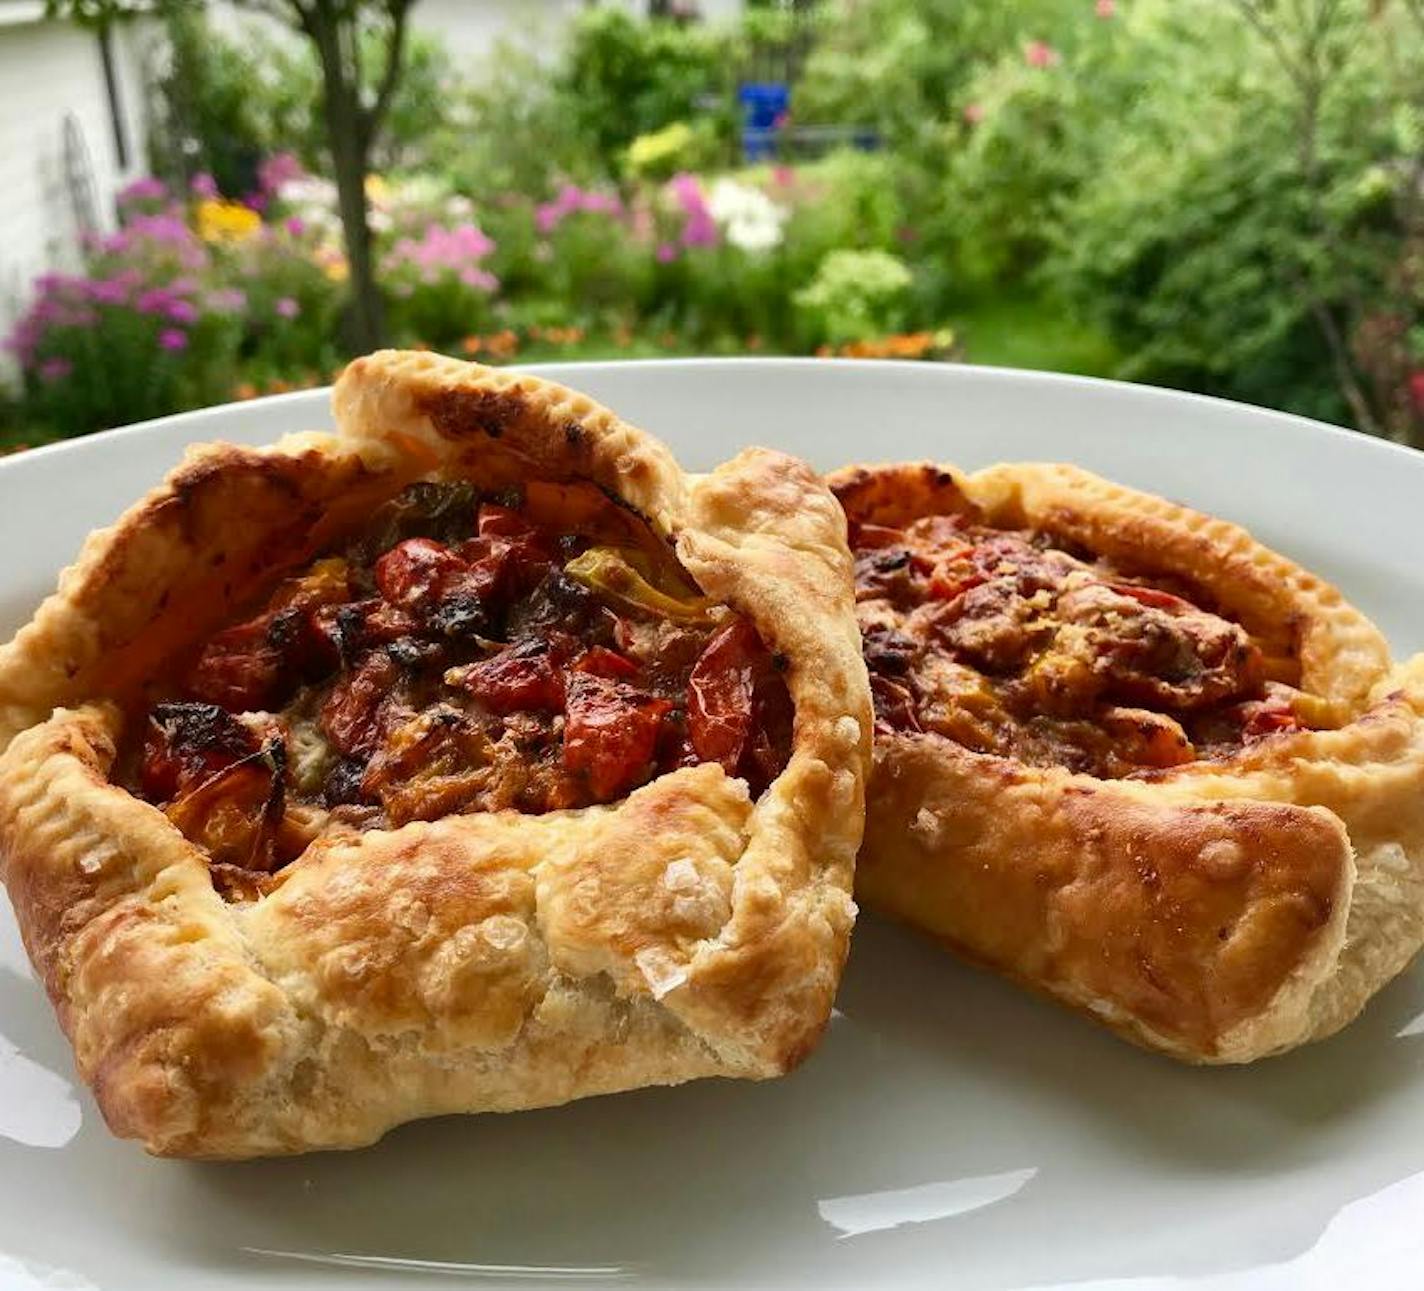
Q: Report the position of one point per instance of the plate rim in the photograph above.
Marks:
(952, 373)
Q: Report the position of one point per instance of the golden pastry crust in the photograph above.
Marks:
(489, 961)
(1219, 910)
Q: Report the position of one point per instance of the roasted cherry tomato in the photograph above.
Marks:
(603, 662)
(527, 677)
(241, 669)
(350, 717)
(410, 574)
(719, 695)
(610, 733)
(186, 744)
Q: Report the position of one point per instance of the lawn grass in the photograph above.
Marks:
(1029, 332)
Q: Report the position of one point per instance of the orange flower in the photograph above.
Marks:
(753, 342)
(472, 344)
(244, 390)
(278, 386)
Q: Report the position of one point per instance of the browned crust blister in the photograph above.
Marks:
(483, 962)
(1219, 911)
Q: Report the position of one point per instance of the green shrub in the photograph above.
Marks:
(856, 294)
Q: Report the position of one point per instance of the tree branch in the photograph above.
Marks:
(372, 116)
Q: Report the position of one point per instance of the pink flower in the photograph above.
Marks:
(480, 279)
(278, 169)
(183, 311)
(1105, 8)
(55, 369)
(699, 229)
(296, 226)
(1039, 53)
(783, 176)
(257, 201)
(173, 339)
(286, 307)
(666, 253)
(974, 113)
(203, 185)
(146, 189)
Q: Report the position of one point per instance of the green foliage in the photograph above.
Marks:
(856, 294)
(221, 104)
(621, 77)
(1206, 241)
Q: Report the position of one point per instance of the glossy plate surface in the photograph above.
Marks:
(950, 1132)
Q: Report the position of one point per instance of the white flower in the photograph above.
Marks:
(459, 207)
(748, 218)
(309, 190)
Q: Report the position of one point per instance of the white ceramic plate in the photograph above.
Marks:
(950, 1131)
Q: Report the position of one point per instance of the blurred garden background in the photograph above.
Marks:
(1218, 195)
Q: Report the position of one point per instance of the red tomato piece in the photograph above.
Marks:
(523, 678)
(501, 521)
(949, 582)
(610, 733)
(240, 669)
(409, 575)
(719, 695)
(603, 662)
(186, 744)
(350, 716)
(1263, 717)
(1154, 598)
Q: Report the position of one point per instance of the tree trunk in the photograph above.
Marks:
(350, 160)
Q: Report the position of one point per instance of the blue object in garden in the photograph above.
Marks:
(764, 105)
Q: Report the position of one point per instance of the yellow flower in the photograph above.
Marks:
(656, 151)
(377, 190)
(219, 221)
(334, 266)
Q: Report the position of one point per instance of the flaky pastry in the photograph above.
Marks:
(1133, 759)
(472, 758)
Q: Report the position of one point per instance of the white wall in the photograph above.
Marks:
(472, 28)
(48, 70)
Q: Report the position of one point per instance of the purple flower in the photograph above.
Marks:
(182, 311)
(257, 201)
(157, 300)
(55, 369)
(204, 185)
(173, 338)
(286, 307)
(146, 189)
(666, 253)
(278, 169)
(699, 229)
(108, 291)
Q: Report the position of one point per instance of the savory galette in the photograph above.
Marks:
(1130, 757)
(472, 758)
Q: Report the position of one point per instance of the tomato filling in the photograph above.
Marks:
(462, 654)
(1010, 645)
